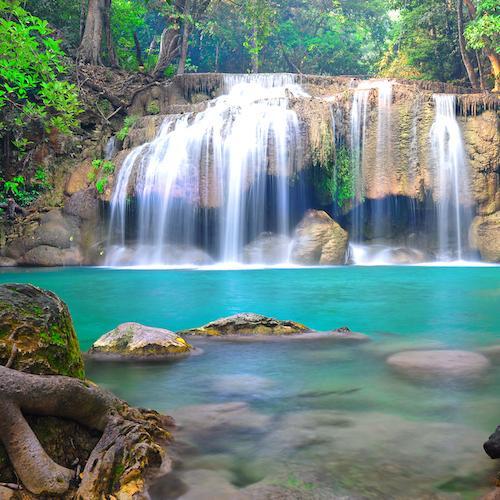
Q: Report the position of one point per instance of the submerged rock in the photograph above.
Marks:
(492, 446)
(318, 239)
(445, 363)
(247, 324)
(136, 341)
(268, 248)
(36, 332)
(492, 352)
(484, 236)
(345, 334)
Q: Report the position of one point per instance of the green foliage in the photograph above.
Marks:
(99, 174)
(31, 65)
(423, 41)
(153, 108)
(484, 30)
(342, 182)
(127, 125)
(258, 18)
(25, 191)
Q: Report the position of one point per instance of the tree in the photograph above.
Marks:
(258, 20)
(32, 68)
(97, 23)
(471, 73)
(483, 32)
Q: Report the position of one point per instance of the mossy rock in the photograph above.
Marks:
(135, 341)
(38, 325)
(248, 324)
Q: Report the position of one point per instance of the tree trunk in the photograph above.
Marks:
(255, 54)
(138, 51)
(83, 11)
(169, 50)
(495, 68)
(185, 38)
(471, 73)
(90, 47)
(112, 57)
(480, 70)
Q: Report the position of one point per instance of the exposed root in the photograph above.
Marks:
(130, 443)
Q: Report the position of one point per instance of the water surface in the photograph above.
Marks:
(310, 418)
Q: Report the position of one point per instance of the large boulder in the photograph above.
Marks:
(51, 241)
(136, 341)
(268, 248)
(484, 236)
(83, 204)
(492, 446)
(439, 363)
(318, 239)
(36, 332)
(48, 256)
(7, 262)
(247, 324)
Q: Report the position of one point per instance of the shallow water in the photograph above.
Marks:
(305, 418)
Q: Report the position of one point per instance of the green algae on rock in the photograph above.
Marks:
(248, 324)
(136, 341)
(36, 332)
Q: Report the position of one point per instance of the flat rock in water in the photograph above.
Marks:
(136, 341)
(248, 324)
(445, 363)
(347, 335)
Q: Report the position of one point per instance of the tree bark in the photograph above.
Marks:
(186, 25)
(471, 73)
(113, 59)
(480, 70)
(90, 47)
(83, 11)
(169, 50)
(138, 50)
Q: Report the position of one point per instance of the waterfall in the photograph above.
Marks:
(359, 113)
(237, 155)
(451, 179)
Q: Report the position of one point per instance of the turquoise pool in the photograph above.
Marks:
(309, 418)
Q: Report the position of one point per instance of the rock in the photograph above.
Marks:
(47, 256)
(7, 262)
(170, 255)
(445, 363)
(404, 255)
(83, 204)
(54, 241)
(247, 324)
(78, 180)
(39, 325)
(318, 239)
(346, 335)
(240, 384)
(492, 446)
(492, 352)
(136, 341)
(484, 235)
(268, 248)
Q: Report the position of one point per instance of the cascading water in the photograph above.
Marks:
(236, 155)
(452, 179)
(359, 112)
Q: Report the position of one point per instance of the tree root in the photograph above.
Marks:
(130, 444)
